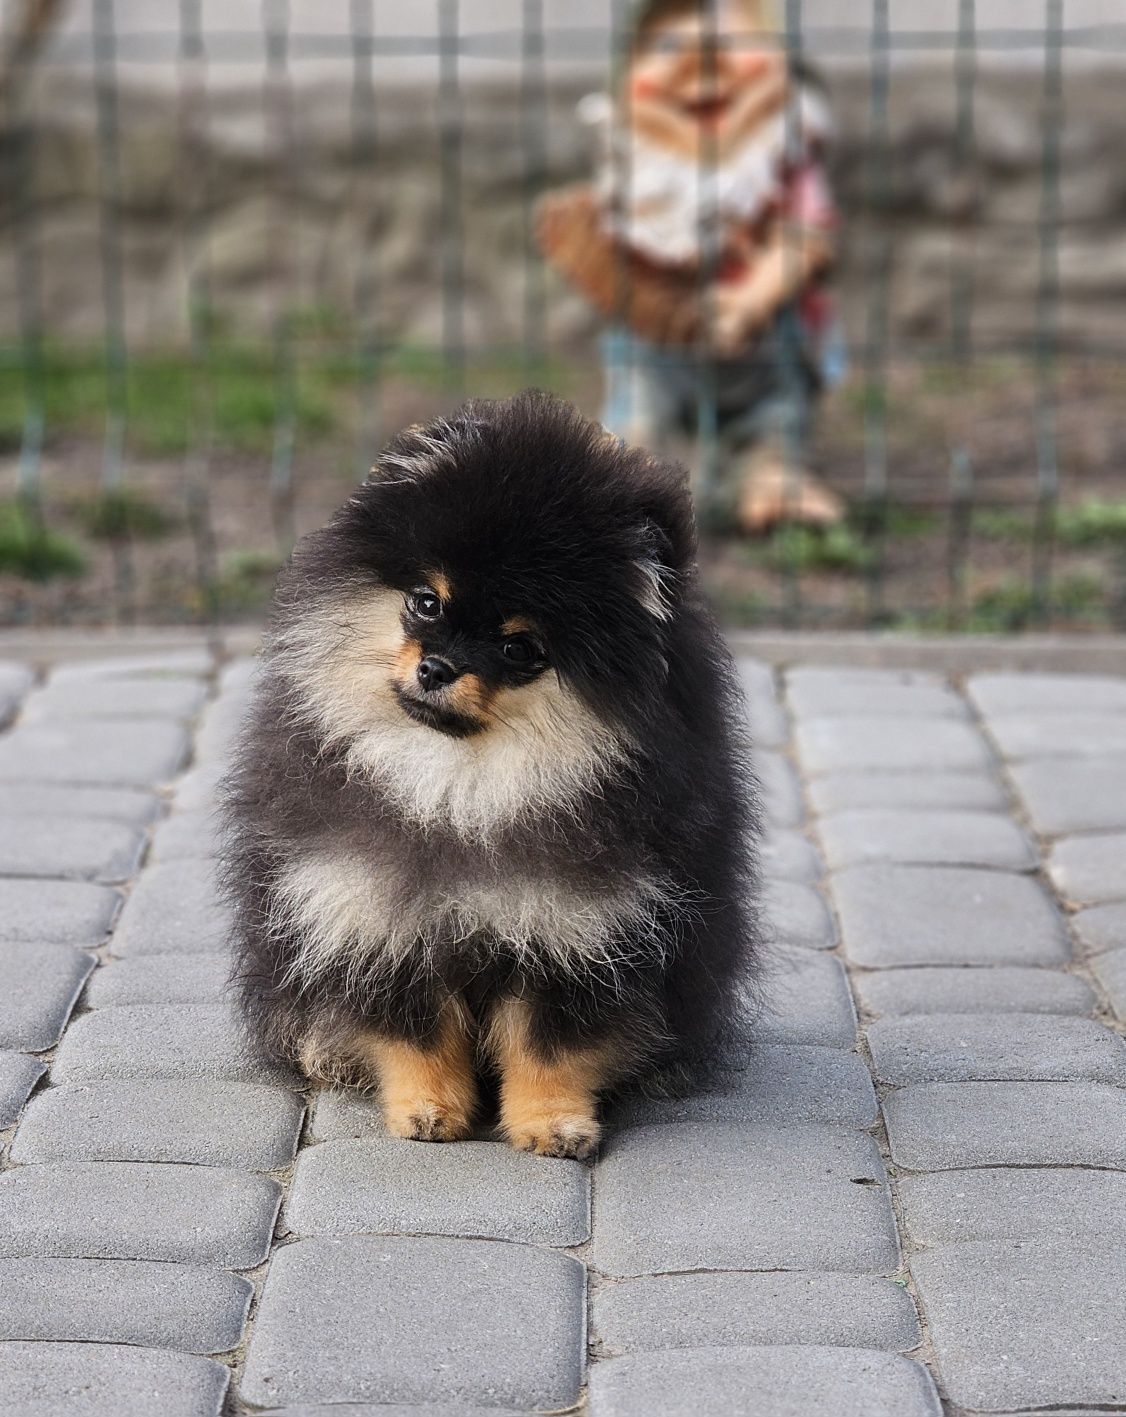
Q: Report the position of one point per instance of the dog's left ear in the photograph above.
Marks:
(657, 579)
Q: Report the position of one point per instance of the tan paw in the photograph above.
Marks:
(555, 1134)
(426, 1119)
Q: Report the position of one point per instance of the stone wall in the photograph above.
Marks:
(271, 222)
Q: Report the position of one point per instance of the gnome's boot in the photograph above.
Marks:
(774, 489)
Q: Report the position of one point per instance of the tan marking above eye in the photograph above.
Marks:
(439, 583)
(518, 625)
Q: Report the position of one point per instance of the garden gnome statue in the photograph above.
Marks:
(704, 241)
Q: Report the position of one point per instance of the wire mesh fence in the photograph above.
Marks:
(240, 250)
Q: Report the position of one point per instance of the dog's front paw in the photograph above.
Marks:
(426, 1119)
(569, 1134)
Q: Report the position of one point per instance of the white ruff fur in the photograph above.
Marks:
(548, 751)
(345, 912)
(669, 206)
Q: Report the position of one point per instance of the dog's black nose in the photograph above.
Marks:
(435, 673)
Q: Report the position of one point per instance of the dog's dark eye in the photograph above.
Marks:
(425, 604)
(522, 650)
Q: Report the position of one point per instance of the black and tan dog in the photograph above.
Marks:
(490, 815)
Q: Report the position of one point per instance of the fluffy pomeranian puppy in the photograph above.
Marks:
(490, 815)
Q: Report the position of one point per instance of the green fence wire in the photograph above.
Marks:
(283, 483)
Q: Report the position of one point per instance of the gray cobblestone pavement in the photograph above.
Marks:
(909, 1199)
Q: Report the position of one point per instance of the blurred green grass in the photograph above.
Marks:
(1094, 521)
(237, 395)
(32, 551)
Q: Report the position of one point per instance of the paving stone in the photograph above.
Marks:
(1110, 970)
(805, 998)
(166, 664)
(108, 1380)
(731, 1310)
(134, 1211)
(730, 1195)
(946, 915)
(239, 676)
(780, 790)
(38, 988)
(797, 915)
(778, 1084)
(1019, 1323)
(160, 979)
(1060, 735)
(942, 1126)
(480, 1189)
(1090, 870)
(756, 677)
(951, 791)
(15, 681)
(789, 856)
(130, 805)
(397, 1319)
(206, 1123)
(1056, 1412)
(56, 912)
(856, 698)
(183, 1307)
(768, 721)
(866, 674)
(80, 848)
(1047, 693)
(186, 834)
(803, 1381)
(1074, 795)
(342, 1113)
(1014, 1203)
(117, 698)
(1002, 1047)
(938, 838)
(137, 1041)
(1000, 989)
(175, 906)
(199, 789)
(1102, 927)
(397, 1409)
(889, 744)
(140, 753)
(218, 734)
(18, 1075)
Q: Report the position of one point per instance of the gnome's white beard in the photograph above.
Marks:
(675, 210)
